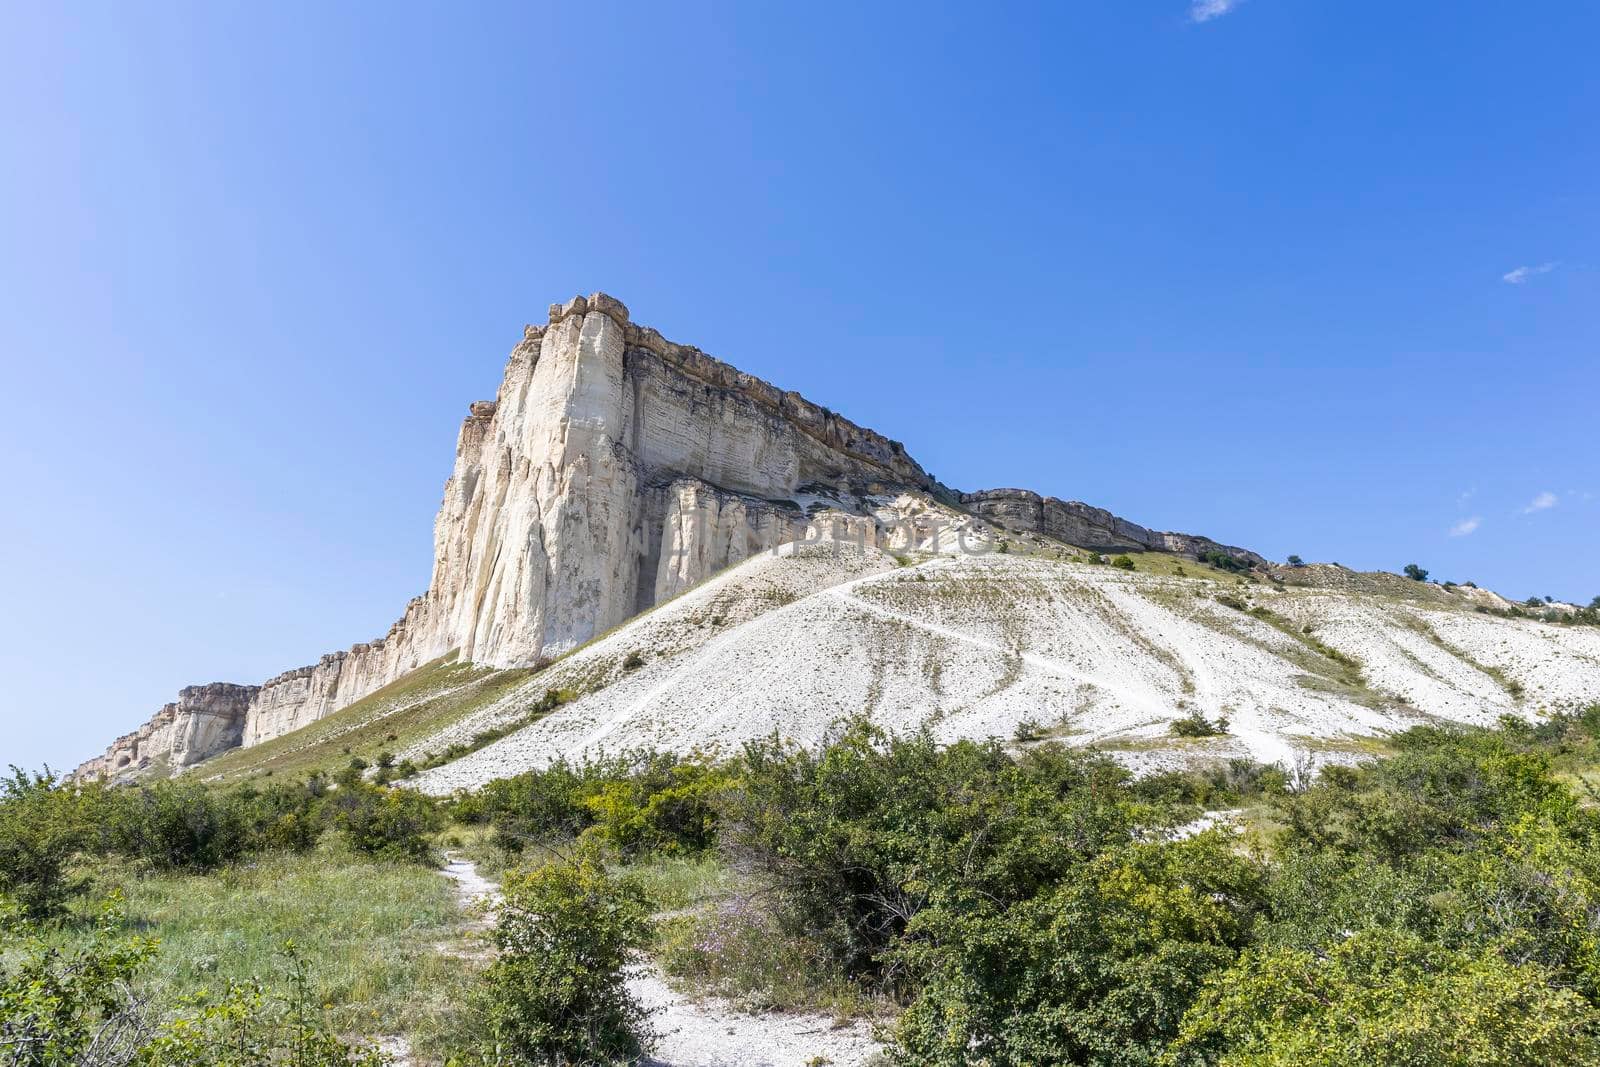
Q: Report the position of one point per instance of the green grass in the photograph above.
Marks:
(369, 932)
(1165, 565)
(678, 883)
(408, 710)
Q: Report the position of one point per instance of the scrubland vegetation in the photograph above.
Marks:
(984, 903)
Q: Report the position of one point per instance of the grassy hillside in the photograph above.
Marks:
(400, 714)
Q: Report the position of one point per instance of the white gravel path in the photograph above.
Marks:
(711, 1034)
(700, 1033)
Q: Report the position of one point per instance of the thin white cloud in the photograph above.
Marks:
(1543, 502)
(1206, 10)
(1466, 526)
(1522, 274)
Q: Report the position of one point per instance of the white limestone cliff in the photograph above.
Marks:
(613, 470)
(205, 721)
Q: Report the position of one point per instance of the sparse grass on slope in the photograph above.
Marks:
(368, 931)
(407, 710)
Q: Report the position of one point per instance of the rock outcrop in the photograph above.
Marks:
(1089, 527)
(613, 470)
(205, 721)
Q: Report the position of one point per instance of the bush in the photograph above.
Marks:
(848, 842)
(1391, 1000)
(390, 823)
(1028, 730)
(1195, 724)
(556, 991)
(540, 805)
(1098, 968)
(1222, 561)
(1415, 573)
(1123, 561)
(1296, 561)
(178, 824)
(663, 804)
(43, 825)
(72, 1006)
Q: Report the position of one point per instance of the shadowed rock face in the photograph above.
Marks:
(205, 721)
(613, 470)
(1088, 527)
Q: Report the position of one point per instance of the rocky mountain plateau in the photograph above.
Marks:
(693, 557)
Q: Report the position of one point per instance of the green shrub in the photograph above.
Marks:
(1391, 1000)
(665, 804)
(542, 805)
(60, 1007)
(178, 824)
(1123, 561)
(391, 823)
(848, 841)
(1028, 730)
(1195, 724)
(43, 825)
(1222, 561)
(556, 992)
(1098, 968)
(1415, 573)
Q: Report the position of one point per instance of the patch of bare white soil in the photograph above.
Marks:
(710, 1033)
(974, 646)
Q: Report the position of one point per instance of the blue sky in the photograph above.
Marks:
(1312, 278)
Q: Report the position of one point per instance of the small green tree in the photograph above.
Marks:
(181, 824)
(1415, 573)
(1123, 561)
(392, 823)
(1296, 561)
(42, 826)
(556, 994)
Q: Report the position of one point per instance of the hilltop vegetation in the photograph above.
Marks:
(987, 905)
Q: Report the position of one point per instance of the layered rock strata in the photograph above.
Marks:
(1088, 527)
(205, 721)
(613, 470)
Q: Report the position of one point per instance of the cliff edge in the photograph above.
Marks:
(613, 470)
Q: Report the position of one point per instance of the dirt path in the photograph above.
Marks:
(707, 1032)
(473, 890)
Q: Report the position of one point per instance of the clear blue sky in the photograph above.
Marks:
(1243, 275)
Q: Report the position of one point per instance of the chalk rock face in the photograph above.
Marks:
(1088, 527)
(205, 721)
(613, 470)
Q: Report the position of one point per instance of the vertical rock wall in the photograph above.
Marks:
(613, 470)
(205, 721)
